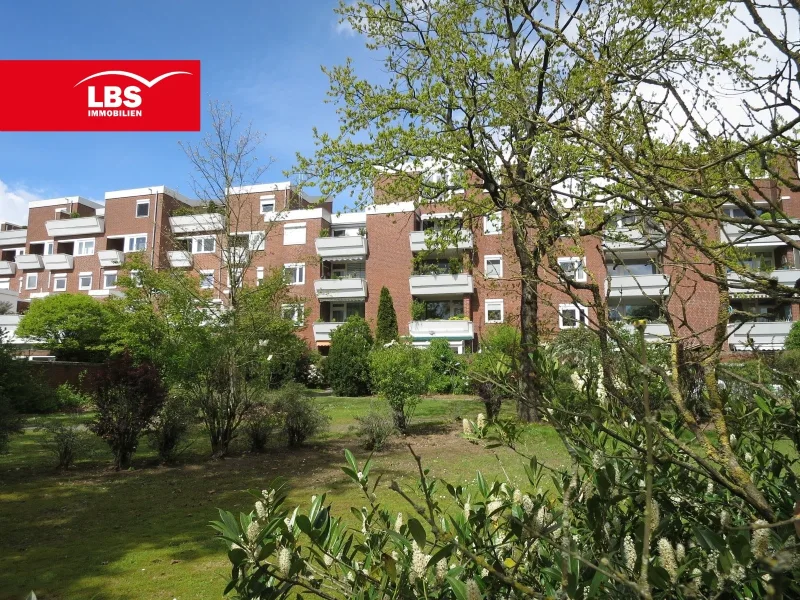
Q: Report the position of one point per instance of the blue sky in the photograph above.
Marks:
(262, 57)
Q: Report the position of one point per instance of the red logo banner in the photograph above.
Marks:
(100, 95)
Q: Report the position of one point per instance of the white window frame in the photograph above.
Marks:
(258, 240)
(81, 277)
(583, 315)
(297, 268)
(49, 248)
(492, 304)
(493, 257)
(493, 224)
(238, 274)
(259, 275)
(204, 278)
(266, 201)
(142, 203)
(198, 244)
(571, 261)
(5, 284)
(56, 280)
(77, 247)
(298, 310)
(288, 239)
(28, 285)
(105, 284)
(133, 238)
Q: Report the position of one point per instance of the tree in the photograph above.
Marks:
(71, 326)
(793, 339)
(386, 328)
(6, 308)
(11, 382)
(128, 396)
(348, 360)
(400, 374)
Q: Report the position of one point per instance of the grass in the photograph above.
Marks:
(92, 532)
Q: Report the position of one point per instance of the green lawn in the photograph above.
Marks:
(95, 533)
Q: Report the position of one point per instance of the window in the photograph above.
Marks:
(5, 284)
(203, 245)
(443, 309)
(495, 312)
(631, 268)
(294, 234)
(295, 273)
(493, 224)
(573, 267)
(142, 208)
(206, 279)
(257, 240)
(85, 281)
(31, 281)
(235, 277)
(345, 231)
(571, 316)
(84, 248)
(49, 248)
(621, 312)
(340, 311)
(294, 312)
(135, 243)
(136, 278)
(348, 270)
(259, 275)
(493, 266)
(60, 284)
(267, 204)
(109, 280)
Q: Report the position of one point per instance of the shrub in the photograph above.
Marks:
(128, 396)
(69, 399)
(386, 329)
(298, 414)
(788, 362)
(793, 339)
(400, 374)
(348, 361)
(447, 369)
(374, 429)
(500, 348)
(259, 425)
(64, 441)
(168, 430)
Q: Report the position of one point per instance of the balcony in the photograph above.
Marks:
(446, 329)
(206, 222)
(106, 293)
(761, 336)
(111, 258)
(57, 262)
(76, 227)
(342, 248)
(13, 237)
(419, 241)
(8, 267)
(632, 239)
(37, 295)
(29, 262)
(322, 331)
(441, 285)
(179, 259)
(740, 285)
(638, 285)
(354, 289)
(747, 235)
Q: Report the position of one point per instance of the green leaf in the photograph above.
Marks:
(417, 532)
(351, 460)
(443, 552)
(762, 404)
(459, 587)
(303, 524)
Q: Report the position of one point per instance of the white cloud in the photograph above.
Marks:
(14, 203)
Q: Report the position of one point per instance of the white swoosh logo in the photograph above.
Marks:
(138, 78)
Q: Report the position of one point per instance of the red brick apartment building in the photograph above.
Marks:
(337, 263)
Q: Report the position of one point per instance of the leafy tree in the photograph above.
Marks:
(793, 339)
(72, 326)
(348, 360)
(400, 373)
(22, 390)
(128, 396)
(386, 328)
(447, 368)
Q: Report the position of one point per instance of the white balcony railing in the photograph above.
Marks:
(76, 227)
(197, 223)
(13, 237)
(8, 267)
(638, 285)
(352, 247)
(111, 258)
(341, 289)
(419, 241)
(322, 331)
(625, 238)
(441, 285)
(28, 262)
(749, 235)
(760, 336)
(742, 285)
(106, 293)
(179, 259)
(57, 262)
(446, 329)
